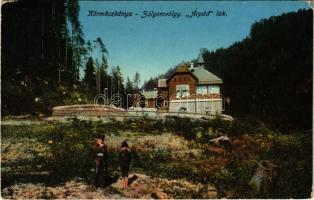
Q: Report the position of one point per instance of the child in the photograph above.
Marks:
(100, 149)
(125, 160)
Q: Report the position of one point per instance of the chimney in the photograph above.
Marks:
(191, 65)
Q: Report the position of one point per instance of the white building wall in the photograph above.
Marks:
(202, 106)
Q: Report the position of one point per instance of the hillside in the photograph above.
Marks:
(268, 75)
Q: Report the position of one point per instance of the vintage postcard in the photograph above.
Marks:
(156, 99)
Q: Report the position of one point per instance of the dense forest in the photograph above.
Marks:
(42, 46)
(46, 61)
(268, 75)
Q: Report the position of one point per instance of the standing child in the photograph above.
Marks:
(100, 149)
(125, 160)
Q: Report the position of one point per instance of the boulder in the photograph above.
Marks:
(210, 193)
(220, 140)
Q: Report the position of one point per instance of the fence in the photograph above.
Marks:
(90, 110)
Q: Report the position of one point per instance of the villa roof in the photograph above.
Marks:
(201, 75)
(182, 70)
(204, 76)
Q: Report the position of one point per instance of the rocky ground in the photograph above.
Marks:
(142, 185)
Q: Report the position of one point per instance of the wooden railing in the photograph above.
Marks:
(85, 110)
(91, 110)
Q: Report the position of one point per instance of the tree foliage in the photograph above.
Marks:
(128, 85)
(42, 43)
(268, 75)
(150, 83)
(136, 80)
(117, 80)
(90, 75)
(48, 58)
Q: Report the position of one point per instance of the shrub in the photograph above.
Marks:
(237, 128)
(70, 149)
(168, 123)
(222, 178)
(294, 156)
(152, 160)
(158, 125)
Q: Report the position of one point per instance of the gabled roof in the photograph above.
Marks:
(201, 75)
(162, 83)
(151, 94)
(205, 77)
(182, 70)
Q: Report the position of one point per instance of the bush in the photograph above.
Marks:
(71, 149)
(152, 160)
(219, 125)
(294, 155)
(237, 128)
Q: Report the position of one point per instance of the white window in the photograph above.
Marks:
(213, 89)
(201, 89)
(207, 89)
(182, 91)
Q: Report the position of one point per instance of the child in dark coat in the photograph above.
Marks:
(125, 161)
(100, 149)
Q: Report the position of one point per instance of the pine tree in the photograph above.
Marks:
(104, 73)
(90, 78)
(128, 86)
(102, 66)
(128, 91)
(136, 80)
(118, 86)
